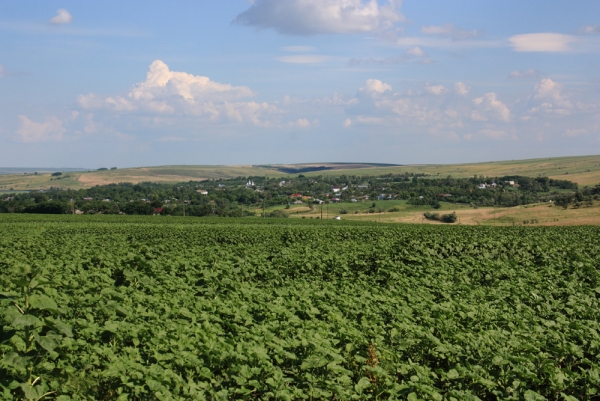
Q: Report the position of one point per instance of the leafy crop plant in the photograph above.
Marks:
(146, 308)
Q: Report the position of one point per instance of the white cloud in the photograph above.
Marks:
(573, 133)
(489, 106)
(347, 123)
(62, 17)
(179, 93)
(300, 123)
(461, 88)
(452, 31)
(374, 87)
(304, 59)
(50, 130)
(530, 73)
(307, 17)
(413, 55)
(542, 42)
(436, 89)
(591, 29)
(547, 89)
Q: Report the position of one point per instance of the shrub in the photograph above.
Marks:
(449, 218)
(277, 213)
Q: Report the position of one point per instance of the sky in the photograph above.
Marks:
(143, 83)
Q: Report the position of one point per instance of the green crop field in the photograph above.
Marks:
(167, 308)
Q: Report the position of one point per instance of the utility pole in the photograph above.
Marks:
(327, 212)
(321, 211)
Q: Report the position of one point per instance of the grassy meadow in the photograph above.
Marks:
(540, 214)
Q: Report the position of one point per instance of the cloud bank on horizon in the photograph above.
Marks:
(312, 76)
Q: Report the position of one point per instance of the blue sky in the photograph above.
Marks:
(106, 83)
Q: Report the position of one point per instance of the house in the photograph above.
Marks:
(158, 210)
(337, 218)
(249, 184)
(482, 186)
(105, 200)
(88, 199)
(445, 195)
(318, 201)
(363, 186)
(335, 190)
(221, 185)
(281, 183)
(296, 196)
(511, 183)
(298, 202)
(345, 188)
(353, 200)
(77, 211)
(202, 192)
(334, 200)
(365, 197)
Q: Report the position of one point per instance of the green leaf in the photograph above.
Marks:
(531, 395)
(43, 302)
(362, 384)
(16, 361)
(32, 393)
(314, 361)
(452, 374)
(25, 321)
(59, 326)
(568, 397)
(47, 342)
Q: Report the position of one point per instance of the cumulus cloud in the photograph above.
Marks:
(461, 88)
(542, 42)
(552, 99)
(179, 93)
(50, 130)
(300, 123)
(62, 17)
(374, 87)
(413, 55)
(308, 17)
(436, 89)
(452, 31)
(489, 107)
(519, 74)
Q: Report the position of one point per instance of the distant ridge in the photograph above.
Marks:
(312, 167)
(23, 170)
